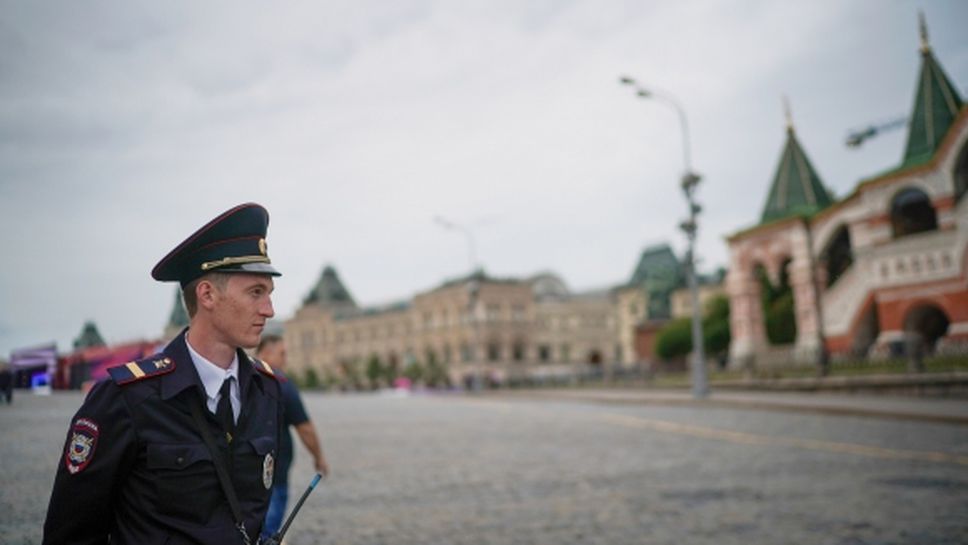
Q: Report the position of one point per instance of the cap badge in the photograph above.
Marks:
(262, 246)
(268, 469)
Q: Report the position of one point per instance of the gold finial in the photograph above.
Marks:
(787, 114)
(923, 27)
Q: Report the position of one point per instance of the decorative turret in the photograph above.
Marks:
(796, 187)
(936, 106)
(89, 337)
(659, 273)
(329, 291)
(178, 318)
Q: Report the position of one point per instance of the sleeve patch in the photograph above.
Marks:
(80, 447)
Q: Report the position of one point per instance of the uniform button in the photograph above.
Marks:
(180, 460)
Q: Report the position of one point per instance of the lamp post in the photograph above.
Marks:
(473, 298)
(471, 246)
(689, 183)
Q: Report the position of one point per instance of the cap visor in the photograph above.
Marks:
(251, 268)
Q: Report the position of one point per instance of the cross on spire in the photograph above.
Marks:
(787, 114)
(923, 27)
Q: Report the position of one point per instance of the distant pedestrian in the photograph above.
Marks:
(6, 385)
(272, 350)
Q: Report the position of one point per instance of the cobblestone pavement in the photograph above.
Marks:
(454, 469)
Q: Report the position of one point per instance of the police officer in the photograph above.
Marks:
(180, 447)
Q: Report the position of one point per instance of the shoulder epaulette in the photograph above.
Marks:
(263, 367)
(134, 371)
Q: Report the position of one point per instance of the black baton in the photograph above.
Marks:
(276, 538)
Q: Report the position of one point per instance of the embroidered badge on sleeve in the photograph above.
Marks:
(80, 448)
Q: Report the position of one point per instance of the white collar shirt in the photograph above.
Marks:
(213, 376)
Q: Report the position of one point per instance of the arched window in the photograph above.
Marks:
(911, 212)
(961, 173)
(929, 323)
(838, 256)
(518, 350)
(777, 302)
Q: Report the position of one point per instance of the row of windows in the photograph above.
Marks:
(389, 331)
(494, 352)
(493, 312)
(569, 323)
(911, 212)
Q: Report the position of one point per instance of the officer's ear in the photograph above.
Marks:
(205, 294)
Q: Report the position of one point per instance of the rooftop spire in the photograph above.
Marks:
(936, 105)
(786, 112)
(796, 187)
(178, 319)
(329, 291)
(89, 337)
(923, 27)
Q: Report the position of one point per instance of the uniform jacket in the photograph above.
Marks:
(135, 469)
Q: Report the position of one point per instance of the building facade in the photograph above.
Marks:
(881, 272)
(645, 303)
(477, 326)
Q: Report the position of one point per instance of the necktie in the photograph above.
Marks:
(223, 411)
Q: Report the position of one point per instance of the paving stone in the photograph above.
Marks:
(466, 470)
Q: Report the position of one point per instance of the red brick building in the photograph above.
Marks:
(879, 272)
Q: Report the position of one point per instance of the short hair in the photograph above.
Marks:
(218, 279)
(267, 340)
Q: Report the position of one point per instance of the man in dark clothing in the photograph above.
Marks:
(272, 350)
(140, 464)
(6, 385)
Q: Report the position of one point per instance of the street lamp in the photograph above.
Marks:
(689, 183)
(473, 297)
(451, 226)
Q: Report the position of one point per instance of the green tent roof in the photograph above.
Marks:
(89, 337)
(178, 319)
(657, 263)
(796, 188)
(936, 106)
(329, 291)
(659, 273)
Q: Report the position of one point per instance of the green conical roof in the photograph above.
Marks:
(935, 108)
(89, 337)
(329, 290)
(178, 319)
(796, 187)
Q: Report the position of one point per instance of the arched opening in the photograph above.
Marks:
(838, 256)
(961, 173)
(868, 328)
(912, 212)
(927, 323)
(518, 349)
(493, 351)
(777, 301)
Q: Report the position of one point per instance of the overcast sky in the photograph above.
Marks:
(125, 126)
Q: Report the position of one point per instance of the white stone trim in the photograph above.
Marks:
(958, 328)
